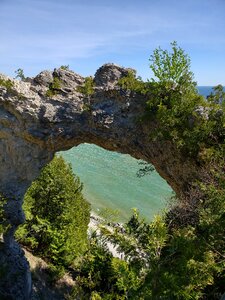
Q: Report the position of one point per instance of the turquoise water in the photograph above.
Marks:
(110, 180)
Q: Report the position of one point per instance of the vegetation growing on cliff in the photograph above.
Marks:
(6, 83)
(57, 215)
(132, 83)
(159, 261)
(20, 74)
(170, 263)
(65, 67)
(194, 124)
(54, 87)
(87, 88)
(183, 116)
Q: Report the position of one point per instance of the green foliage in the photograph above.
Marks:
(172, 67)
(99, 275)
(20, 74)
(57, 215)
(141, 243)
(94, 269)
(3, 223)
(54, 87)
(9, 86)
(182, 263)
(87, 89)
(6, 83)
(180, 114)
(54, 272)
(132, 83)
(65, 67)
(199, 251)
(218, 95)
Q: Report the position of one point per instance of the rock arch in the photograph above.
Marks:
(33, 127)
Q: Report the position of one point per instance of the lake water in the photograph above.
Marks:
(205, 90)
(110, 180)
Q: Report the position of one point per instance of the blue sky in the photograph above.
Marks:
(43, 34)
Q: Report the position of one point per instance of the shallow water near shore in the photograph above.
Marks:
(110, 181)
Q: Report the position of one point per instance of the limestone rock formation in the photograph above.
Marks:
(34, 126)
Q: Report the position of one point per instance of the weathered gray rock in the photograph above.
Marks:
(15, 282)
(33, 127)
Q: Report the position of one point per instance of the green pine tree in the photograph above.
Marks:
(57, 215)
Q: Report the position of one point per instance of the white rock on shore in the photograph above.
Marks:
(93, 225)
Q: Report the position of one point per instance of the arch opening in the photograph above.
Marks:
(110, 181)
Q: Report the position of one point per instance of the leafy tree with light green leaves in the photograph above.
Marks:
(181, 115)
(172, 66)
(57, 215)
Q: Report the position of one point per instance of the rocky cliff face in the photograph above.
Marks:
(34, 126)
